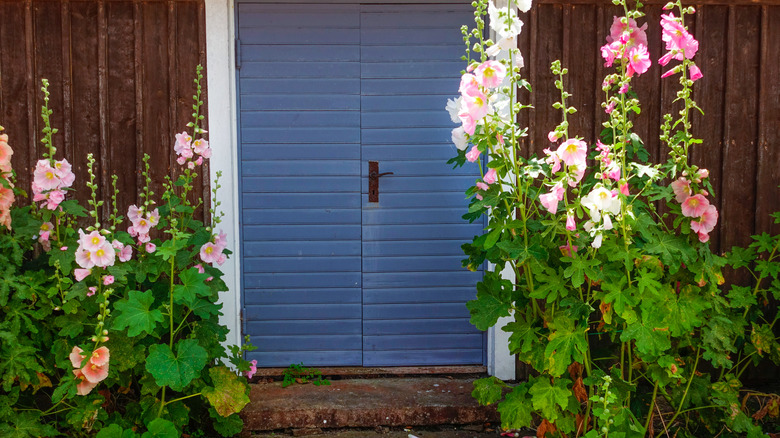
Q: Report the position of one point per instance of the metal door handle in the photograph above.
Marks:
(373, 180)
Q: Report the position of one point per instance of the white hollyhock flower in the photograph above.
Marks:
(601, 200)
(523, 5)
(459, 138)
(454, 107)
(504, 21)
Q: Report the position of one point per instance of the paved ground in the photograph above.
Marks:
(471, 431)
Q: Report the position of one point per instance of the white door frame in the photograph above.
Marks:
(223, 138)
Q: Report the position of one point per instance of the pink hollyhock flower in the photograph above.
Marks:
(490, 74)
(209, 253)
(85, 386)
(191, 165)
(63, 171)
(104, 256)
(550, 200)
(183, 142)
(125, 253)
(142, 226)
(553, 159)
(570, 225)
(473, 154)
(568, 250)
(638, 60)
(6, 197)
(553, 136)
(100, 356)
(221, 239)
(677, 38)
(108, 280)
(706, 222)
(629, 33)
(92, 241)
(490, 177)
(573, 151)
(613, 171)
(5, 154)
(577, 172)
(695, 72)
(610, 107)
(143, 238)
(95, 373)
(201, 147)
(81, 274)
(200, 268)
(469, 123)
(252, 369)
(45, 177)
(84, 259)
(682, 189)
(623, 88)
(150, 247)
(482, 186)
(76, 356)
(220, 261)
(478, 196)
(468, 84)
(134, 213)
(610, 52)
(54, 199)
(5, 218)
(703, 173)
(695, 206)
(476, 105)
(624, 189)
(181, 160)
(92, 291)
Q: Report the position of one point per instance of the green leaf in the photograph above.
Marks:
(71, 325)
(134, 313)
(523, 336)
(493, 301)
(193, 285)
(488, 391)
(161, 428)
(672, 250)
(176, 371)
(549, 285)
(492, 238)
(228, 396)
(649, 340)
(579, 267)
(26, 424)
(567, 345)
(741, 297)
(169, 248)
(621, 297)
(516, 409)
(227, 426)
(545, 397)
(116, 431)
(205, 309)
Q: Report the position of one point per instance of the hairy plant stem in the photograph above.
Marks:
(687, 387)
(652, 404)
(182, 398)
(170, 319)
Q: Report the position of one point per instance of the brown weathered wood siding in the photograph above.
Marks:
(120, 76)
(739, 94)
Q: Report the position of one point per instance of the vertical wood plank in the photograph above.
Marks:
(32, 88)
(86, 111)
(740, 133)
(768, 175)
(138, 70)
(102, 77)
(67, 82)
(47, 46)
(526, 40)
(582, 72)
(549, 47)
(709, 91)
(121, 113)
(205, 170)
(648, 87)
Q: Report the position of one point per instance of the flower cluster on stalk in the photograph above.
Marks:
(6, 186)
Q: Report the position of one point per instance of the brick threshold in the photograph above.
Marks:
(379, 372)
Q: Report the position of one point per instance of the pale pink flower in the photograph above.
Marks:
(490, 177)
(183, 141)
(201, 147)
(473, 154)
(63, 171)
(553, 160)
(143, 238)
(150, 247)
(108, 280)
(92, 291)
(577, 171)
(610, 107)
(469, 122)
(191, 165)
(125, 253)
(568, 250)
(570, 225)
(181, 160)
(628, 33)
(704, 173)
(134, 213)
(476, 105)
(142, 226)
(210, 253)
(84, 258)
(54, 199)
(490, 74)
(221, 239)
(695, 72)
(573, 151)
(469, 84)
(553, 136)
(252, 369)
(104, 256)
(682, 189)
(200, 268)
(695, 206)
(220, 261)
(550, 200)
(706, 222)
(81, 274)
(92, 241)
(45, 177)
(638, 60)
(76, 356)
(153, 217)
(482, 186)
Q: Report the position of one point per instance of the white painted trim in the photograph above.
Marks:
(501, 363)
(223, 138)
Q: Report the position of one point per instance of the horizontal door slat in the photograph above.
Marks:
(422, 358)
(302, 216)
(313, 36)
(415, 200)
(310, 342)
(405, 312)
(300, 134)
(401, 248)
(419, 295)
(297, 296)
(301, 200)
(323, 312)
(302, 264)
(305, 53)
(442, 52)
(471, 341)
(416, 279)
(412, 70)
(406, 119)
(301, 168)
(339, 358)
(432, 36)
(304, 232)
(413, 216)
(408, 136)
(300, 102)
(428, 231)
(303, 327)
(283, 248)
(308, 119)
(412, 264)
(415, 326)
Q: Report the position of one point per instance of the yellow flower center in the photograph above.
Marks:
(49, 175)
(209, 250)
(95, 240)
(100, 253)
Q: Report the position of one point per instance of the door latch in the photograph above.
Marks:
(373, 180)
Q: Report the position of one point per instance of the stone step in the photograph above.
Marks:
(351, 403)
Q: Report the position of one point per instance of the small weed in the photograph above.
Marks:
(297, 373)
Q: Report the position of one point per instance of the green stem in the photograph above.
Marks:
(182, 398)
(652, 405)
(687, 387)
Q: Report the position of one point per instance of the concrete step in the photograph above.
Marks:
(365, 403)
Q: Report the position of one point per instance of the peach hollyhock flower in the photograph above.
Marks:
(473, 154)
(573, 151)
(550, 200)
(76, 356)
(95, 373)
(490, 73)
(5, 218)
(682, 189)
(695, 206)
(85, 386)
(6, 197)
(100, 356)
(5, 151)
(490, 177)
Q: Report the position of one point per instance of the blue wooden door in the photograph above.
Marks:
(330, 278)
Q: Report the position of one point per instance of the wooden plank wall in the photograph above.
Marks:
(740, 95)
(121, 81)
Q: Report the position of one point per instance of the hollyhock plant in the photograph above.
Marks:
(490, 74)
